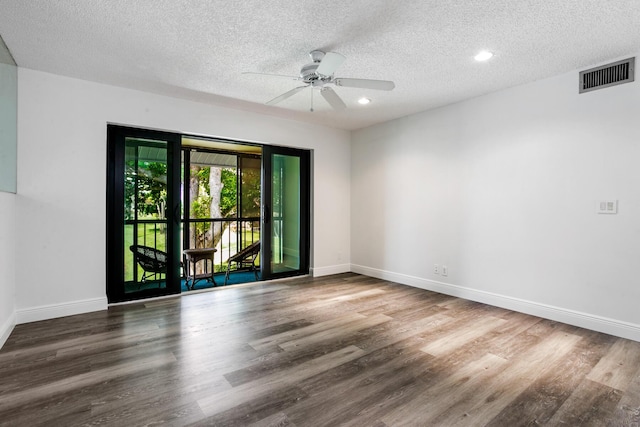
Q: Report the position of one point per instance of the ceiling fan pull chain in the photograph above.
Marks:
(311, 100)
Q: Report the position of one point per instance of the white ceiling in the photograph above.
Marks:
(198, 49)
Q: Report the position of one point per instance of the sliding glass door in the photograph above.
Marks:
(143, 214)
(248, 205)
(286, 206)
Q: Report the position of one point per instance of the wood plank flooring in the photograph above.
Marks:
(342, 350)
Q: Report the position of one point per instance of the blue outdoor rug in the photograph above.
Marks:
(235, 278)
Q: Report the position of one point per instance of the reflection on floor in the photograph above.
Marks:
(234, 279)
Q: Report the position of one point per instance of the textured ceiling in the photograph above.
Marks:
(198, 49)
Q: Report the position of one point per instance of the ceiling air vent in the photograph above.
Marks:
(607, 75)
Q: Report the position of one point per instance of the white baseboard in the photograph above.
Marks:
(53, 311)
(584, 320)
(332, 269)
(7, 328)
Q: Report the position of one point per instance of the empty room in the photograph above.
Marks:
(363, 213)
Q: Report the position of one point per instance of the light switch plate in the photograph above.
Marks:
(607, 207)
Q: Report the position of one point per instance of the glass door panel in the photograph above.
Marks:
(142, 214)
(285, 199)
(250, 190)
(145, 219)
(286, 212)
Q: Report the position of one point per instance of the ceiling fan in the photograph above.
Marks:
(319, 74)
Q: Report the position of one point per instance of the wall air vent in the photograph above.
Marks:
(607, 75)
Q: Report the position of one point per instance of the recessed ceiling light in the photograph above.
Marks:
(364, 101)
(483, 56)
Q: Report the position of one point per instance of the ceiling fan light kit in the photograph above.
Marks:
(320, 74)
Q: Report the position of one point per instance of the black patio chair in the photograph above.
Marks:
(153, 261)
(244, 260)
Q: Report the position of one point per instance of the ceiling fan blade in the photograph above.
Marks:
(330, 63)
(271, 75)
(332, 98)
(365, 84)
(286, 95)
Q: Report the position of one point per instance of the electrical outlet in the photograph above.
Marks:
(445, 270)
(436, 269)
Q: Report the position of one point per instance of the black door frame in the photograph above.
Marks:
(267, 210)
(116, 135)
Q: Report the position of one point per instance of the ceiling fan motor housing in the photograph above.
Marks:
(308, 72)
(308, 75)
(316, 55)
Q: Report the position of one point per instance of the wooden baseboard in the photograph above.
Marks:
(53, 311)
(593, 322)
(7, 328)
(332, 269)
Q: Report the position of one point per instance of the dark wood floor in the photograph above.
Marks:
(341, 350)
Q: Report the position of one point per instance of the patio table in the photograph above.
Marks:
(193, 256)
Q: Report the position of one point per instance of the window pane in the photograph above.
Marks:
(212, 185)
(285, 194)
(250, 187)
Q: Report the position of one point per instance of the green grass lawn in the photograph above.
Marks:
(147, 236)
(154, 236)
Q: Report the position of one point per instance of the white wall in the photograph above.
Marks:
(502, 189)
(7, 265)
(60, 207)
